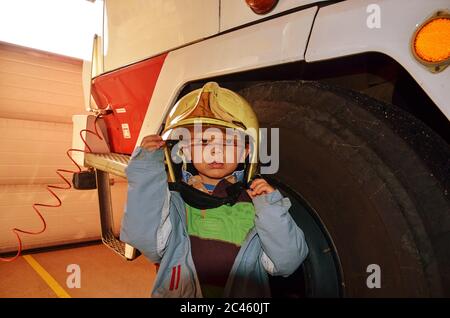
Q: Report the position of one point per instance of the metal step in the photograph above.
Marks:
(105, 164)
(113, 243)
(113, 163)
(125, 250)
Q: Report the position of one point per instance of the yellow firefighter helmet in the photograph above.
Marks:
(220, 107)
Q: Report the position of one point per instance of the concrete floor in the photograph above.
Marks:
(103, 274)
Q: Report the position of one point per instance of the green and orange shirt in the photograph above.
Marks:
(216, 236)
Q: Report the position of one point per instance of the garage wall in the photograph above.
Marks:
(39, 93)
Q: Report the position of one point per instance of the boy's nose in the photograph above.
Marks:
(216, 150)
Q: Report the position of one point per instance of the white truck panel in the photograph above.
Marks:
(135, 29)
(234, 13)
(268, 43)
(399, 19)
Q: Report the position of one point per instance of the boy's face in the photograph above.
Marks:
(216, 152)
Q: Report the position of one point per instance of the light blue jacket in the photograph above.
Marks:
(154, 223)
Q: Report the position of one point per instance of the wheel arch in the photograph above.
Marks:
(374, 74)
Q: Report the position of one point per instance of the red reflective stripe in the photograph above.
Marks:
(179, 274)
(172, 279)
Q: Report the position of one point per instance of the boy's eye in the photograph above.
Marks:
(202, 142)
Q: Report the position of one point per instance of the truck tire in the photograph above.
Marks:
(377, 180)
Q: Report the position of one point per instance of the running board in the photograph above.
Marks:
(113, 163)
(105, 164)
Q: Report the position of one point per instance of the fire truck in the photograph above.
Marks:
(360, 93)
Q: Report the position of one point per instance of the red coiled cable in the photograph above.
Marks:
(18, 231)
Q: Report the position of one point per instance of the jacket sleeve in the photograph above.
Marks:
(283, 242)
(146, 223)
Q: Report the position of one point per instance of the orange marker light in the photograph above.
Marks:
(431, 43)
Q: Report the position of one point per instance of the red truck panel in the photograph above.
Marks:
(128, 92)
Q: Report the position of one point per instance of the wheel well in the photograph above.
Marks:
(373, 74)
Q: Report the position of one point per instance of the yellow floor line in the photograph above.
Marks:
(51, 282)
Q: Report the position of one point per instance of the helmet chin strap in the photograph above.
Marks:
(195, 194)
(197, 182)
(203, 200)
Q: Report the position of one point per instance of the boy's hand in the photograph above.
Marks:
(152, 142)
(259, 186)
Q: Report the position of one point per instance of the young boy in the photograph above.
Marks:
(210, 241)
